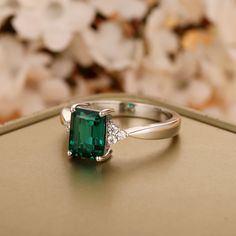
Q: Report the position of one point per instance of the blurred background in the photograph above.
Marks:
(179, 50)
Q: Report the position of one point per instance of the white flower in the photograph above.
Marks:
(215, 111)
(85, 87)
(222, 13)
(110, 48)
(148, 82)
(130, 81)
(53, 21)
(30, 101)
(16, 64)
(79, 51)
(62, 67)
(54, 91)
(186, 66)
(161, 42)
(7, 8)
(125, 9)
(82, 87)
(199, 94)
(183, 11)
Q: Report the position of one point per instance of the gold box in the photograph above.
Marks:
(184, 186)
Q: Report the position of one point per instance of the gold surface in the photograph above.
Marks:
(186, 186)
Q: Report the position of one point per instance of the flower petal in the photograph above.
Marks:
(24, 24)
(126, 9)
(57, 40)
(54, 91)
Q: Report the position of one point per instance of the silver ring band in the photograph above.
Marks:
(166, 123)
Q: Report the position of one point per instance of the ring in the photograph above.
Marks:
(92, 130)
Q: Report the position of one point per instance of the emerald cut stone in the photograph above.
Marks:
(87, 137)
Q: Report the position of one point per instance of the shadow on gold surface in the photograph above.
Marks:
(98, 177)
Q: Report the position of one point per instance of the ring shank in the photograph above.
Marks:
(166, 122)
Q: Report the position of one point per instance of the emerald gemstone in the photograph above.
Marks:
(87, 137)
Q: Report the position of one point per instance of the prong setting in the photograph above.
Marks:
(106, 112)
(65, 118)
(73, 107)
(69, 153)
(104, 157)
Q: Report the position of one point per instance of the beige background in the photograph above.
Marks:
(186, 186)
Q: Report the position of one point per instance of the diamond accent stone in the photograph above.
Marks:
(67, 125)
(111, 139)
(115, 133)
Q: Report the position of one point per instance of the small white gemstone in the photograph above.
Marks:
(121, 135)
(115, 129)
(67, 125)
(111, 139)
(114, 133)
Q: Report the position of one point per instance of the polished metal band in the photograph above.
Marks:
(166, 122)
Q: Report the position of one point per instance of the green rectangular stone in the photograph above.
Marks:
(87, 138)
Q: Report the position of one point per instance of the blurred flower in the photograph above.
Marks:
(53, 21)
(15, 66)
(62, 67)
(182, 11)
(53, 91)
(7, 8)
(161, 42)
(84, 87)
(124, 9)
(179, 50)
(214, 111)
(199, 94)
(30, 101)
(109, 47)
(222, 13)
(79, 51)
